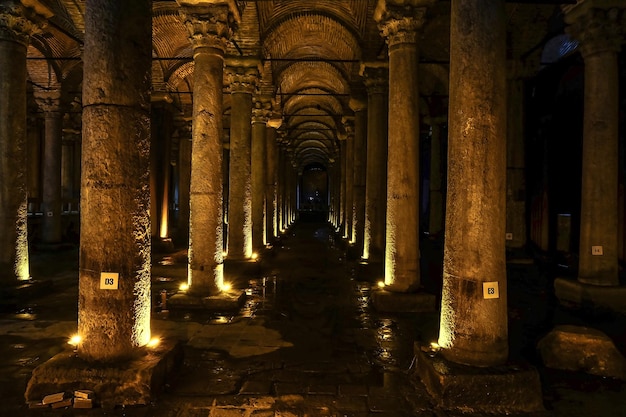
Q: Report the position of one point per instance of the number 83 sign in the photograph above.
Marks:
(109, 280)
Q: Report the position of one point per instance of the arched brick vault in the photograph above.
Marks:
(310, 52)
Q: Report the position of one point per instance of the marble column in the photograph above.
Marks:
(15, 30)
(473, 328)
(114, 267)
(359, 107)
(160, 167)
(50, 104)
(376, 80)
(343, 165)
(597, 25)
(400, 26)
(271, 189)
(210, 30)
(348, 123)
(260, 114)
(242, 76)
(515, 160)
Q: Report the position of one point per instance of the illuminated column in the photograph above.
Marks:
(50, 103)
(515, 161)
(348, 123)
(242, 76)
(114, 315)
(210, 30)
(160, 165)
(68, 154)
(280, 180)
(260, 114)
(343, 156)
(473, 328)
(360, 154)
(184, 179)
(597, 26)
(376, 80)
(15, 30)
(436, 199)
(400, 25)
(271, 189)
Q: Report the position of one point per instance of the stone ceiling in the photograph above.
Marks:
(311, 51)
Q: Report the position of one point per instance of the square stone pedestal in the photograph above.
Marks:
(599, 299)
(510, 388)
(135, 382)
(396, 302)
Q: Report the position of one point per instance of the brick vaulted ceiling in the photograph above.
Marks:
(311, 52)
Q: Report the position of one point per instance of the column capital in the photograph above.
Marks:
(209, 25)
(358, 104)
(400, 21)
(348, 124)
(597, 25)
(261, 109)
(49, 101)
(242, 74)
(375, 76)
(18, 22)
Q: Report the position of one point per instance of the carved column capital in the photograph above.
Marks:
(210, 26)
(49, 101)
(375, 76)
(261, 109)
(242, 75)
(18, 23)
(400, 21)
(597, 25)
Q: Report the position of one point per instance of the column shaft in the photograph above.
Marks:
(473, 328)
(271, 191)
(435, 218)
(184, 175)
(360, 155)
(13, 204)
(51, 231)
(115, 197)
(259, 164)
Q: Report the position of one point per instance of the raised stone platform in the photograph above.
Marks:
(510, 388)
(396, 302)
(136, 382)
(575, 294)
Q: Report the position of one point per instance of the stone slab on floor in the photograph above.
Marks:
(395, 302)
(226, 301)
(578, 348)
(575, 294)
(137, 382)
(506, 389)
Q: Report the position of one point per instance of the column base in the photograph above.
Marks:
(225, 301)
(398, 302)
(510, 388)
(598, 299)
(137, 382)
(370, 270)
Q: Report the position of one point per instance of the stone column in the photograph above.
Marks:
(242, 76)
(15, 30)
(376, 80)
(50, 103)
(348, 123)
(343, 149)
(435, 218)
(260, 114)
(359, 107)
(596, 24)
(515, 161)
(473, 328)
(160, 167)
(400, 26)
(271, 190)
(210, 28)
(114, 267)
(184, 180)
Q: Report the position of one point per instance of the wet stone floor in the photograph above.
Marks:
(306, 342)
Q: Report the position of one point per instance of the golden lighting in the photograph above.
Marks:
(75, 340)
(184, 287)
(163, 226)
(225, 286)
(381, 284)
(154, 342)
(254, 256)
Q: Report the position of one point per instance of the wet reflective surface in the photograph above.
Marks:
(306, 342)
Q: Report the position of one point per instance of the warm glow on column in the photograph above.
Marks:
(367, 237)
(447, 318)
(390, 253)
(219, 276)
(163, 226)
(22, 268)
(247, 225)
(142, 306)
